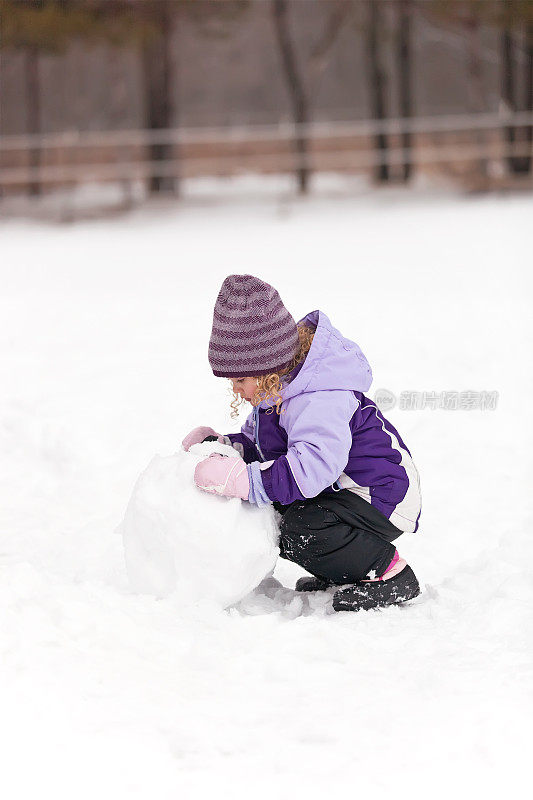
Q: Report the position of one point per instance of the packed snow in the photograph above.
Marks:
(109, 693)
(194, 545)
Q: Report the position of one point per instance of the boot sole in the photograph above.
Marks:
(365, 596)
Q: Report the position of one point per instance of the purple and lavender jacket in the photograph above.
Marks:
(329, 436)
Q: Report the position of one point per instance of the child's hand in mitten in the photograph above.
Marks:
(198, 435)
(222, 475)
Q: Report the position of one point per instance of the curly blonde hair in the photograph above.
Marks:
(270, 386)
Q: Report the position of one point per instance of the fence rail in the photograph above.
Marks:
(278, 132)
(129, 170)
(107, 155)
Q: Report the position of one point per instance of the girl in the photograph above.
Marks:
(314, 446)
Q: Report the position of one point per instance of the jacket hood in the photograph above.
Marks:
(332, 362)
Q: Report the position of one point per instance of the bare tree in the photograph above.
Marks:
(37, 27)
(529, 92)
(515, 16)
(508, 18)
(159, 80)
(508, 89)
(160, 68)
(404, 62)
(372, 24)
(296, 89)
(20, 31)
(377, 85)
(33, 113)
(476, 84)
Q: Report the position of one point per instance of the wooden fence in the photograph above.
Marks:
(459, 145)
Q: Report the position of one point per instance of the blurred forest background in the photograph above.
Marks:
(150, 93)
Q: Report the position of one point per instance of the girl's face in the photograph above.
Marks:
(245, 387)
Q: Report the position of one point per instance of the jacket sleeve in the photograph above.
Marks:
(319, 441)
(243, 442)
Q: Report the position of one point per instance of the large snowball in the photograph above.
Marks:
(179, 539)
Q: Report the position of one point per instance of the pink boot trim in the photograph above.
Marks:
(394, 561)
(395, 566)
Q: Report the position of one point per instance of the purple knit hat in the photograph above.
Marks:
(253, 333)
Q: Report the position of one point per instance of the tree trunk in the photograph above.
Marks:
(528, 83)
(159, 83)
(405, 88)
(476, 89)
(296, 90)
(377, 88)
(508, 89)
(523, 136)
(516, 164)
(33, 115)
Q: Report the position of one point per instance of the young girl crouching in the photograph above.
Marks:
(314, 446)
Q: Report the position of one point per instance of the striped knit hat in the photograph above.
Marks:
(253, 333)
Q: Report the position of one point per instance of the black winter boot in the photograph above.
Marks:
(365, 595)
(312, 584)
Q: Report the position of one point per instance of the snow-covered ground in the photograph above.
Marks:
(103, 358)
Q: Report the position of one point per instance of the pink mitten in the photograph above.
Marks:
(222, 475)
(197, 436)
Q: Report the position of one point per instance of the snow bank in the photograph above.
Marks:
(178, 539)
(109, 694)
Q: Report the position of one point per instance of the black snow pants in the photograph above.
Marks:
(339, 536)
